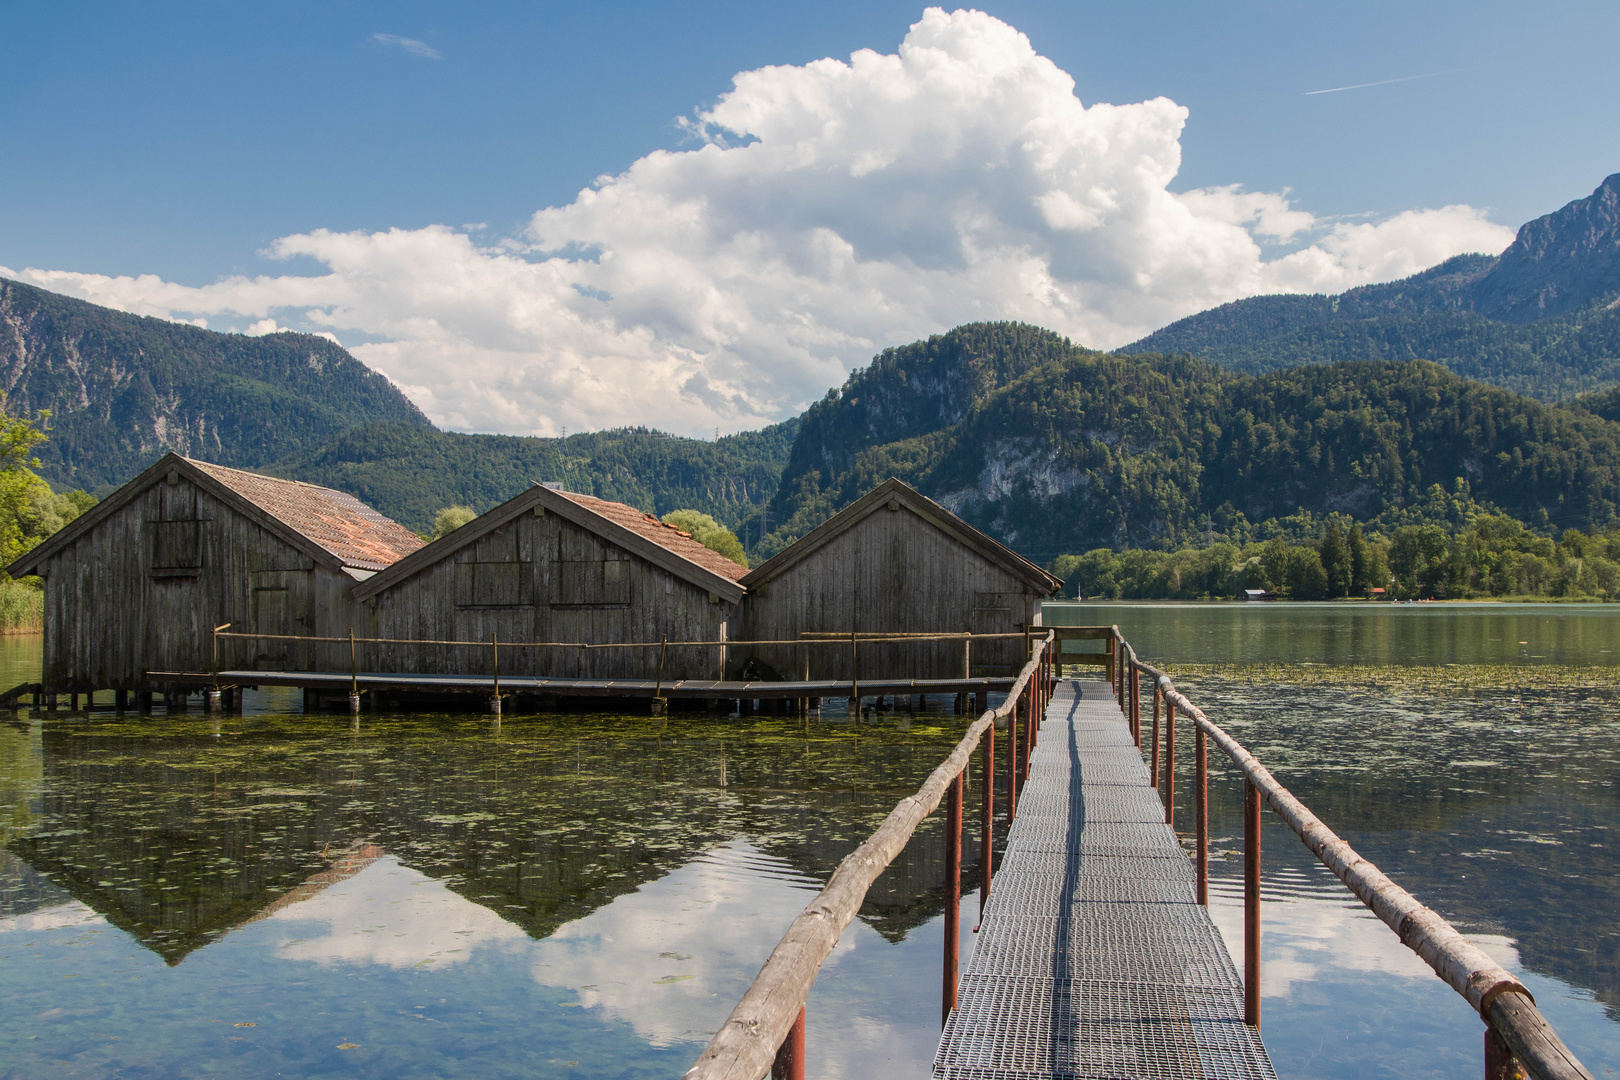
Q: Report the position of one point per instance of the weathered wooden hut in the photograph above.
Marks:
(892, 562)
(137, 584)
(554, 566)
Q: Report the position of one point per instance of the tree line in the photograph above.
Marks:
(1462, 552)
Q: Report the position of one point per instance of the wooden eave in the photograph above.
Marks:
(567, 509)
(30, 562)
(909, 498)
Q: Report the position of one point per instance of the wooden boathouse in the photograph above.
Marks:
(138, 583)
(894, 562)
(554, 566)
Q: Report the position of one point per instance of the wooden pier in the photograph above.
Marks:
(1094, 957)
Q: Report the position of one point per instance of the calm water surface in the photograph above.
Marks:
(589, 894)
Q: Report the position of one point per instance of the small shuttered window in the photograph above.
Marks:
(592, 583)
(176, 535)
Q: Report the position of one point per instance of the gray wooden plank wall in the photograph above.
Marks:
(891, 572)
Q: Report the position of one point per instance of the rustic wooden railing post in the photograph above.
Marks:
(495, 668)
(1251, 904)
(1201, 799)
(658, 690)
(1170, 763)
(987, 818)
(953, 897)
(789, 1063)
(854, 677)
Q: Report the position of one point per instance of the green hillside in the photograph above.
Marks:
(121, 389)
(410, 472)
(1079, 449)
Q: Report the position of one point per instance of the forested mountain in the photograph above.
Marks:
(1070, 449)
(1543, 318)
(121, 389)
(409, 472)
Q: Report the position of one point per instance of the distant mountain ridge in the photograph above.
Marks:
(121, 389)
(1542, 318)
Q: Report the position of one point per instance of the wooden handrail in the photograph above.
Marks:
(1502, 1001)
(747, 1042)
(732, 643)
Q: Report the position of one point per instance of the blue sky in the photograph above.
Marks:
(183, 141)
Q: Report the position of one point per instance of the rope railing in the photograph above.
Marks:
(765, 1032)
(1518, 1039)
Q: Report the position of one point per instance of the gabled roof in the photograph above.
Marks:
(332, 527)
(907, 497)
(624, 526)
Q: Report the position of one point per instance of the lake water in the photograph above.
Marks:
(589, 894)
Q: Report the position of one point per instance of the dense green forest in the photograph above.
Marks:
(1066, 450)
(410, 472)
(1450, 548)
(121, 389)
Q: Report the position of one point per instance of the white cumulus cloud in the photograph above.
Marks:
(825, 211)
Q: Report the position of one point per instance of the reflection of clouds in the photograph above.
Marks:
(672, 958)
(390, 915)
(1312, 934)
(59, 917)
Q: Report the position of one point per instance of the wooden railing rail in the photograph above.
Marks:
(766, 1027)
(1517, 1036)
(830, 639)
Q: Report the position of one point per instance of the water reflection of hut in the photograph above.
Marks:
(892, 562)
(555, 566)
(138, 582)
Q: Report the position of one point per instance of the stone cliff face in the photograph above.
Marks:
(1562, 262)
(121, 389)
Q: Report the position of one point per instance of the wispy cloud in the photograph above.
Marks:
(1383, 82)
(410, 45)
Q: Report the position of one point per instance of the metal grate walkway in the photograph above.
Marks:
(1094, 959)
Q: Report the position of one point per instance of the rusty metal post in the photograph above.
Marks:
(953, 897)
(1153, 776)
(1251, 904)
(1012, 765)
(987, 818)
(1500, 1064)
(1136, 706)
(789, 1063)
(1169, 763)
(1201, 799)
(1034, 724)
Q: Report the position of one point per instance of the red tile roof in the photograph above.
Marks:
(665, 536)
(337, 522)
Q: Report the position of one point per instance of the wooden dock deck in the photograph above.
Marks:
(1094, 958)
